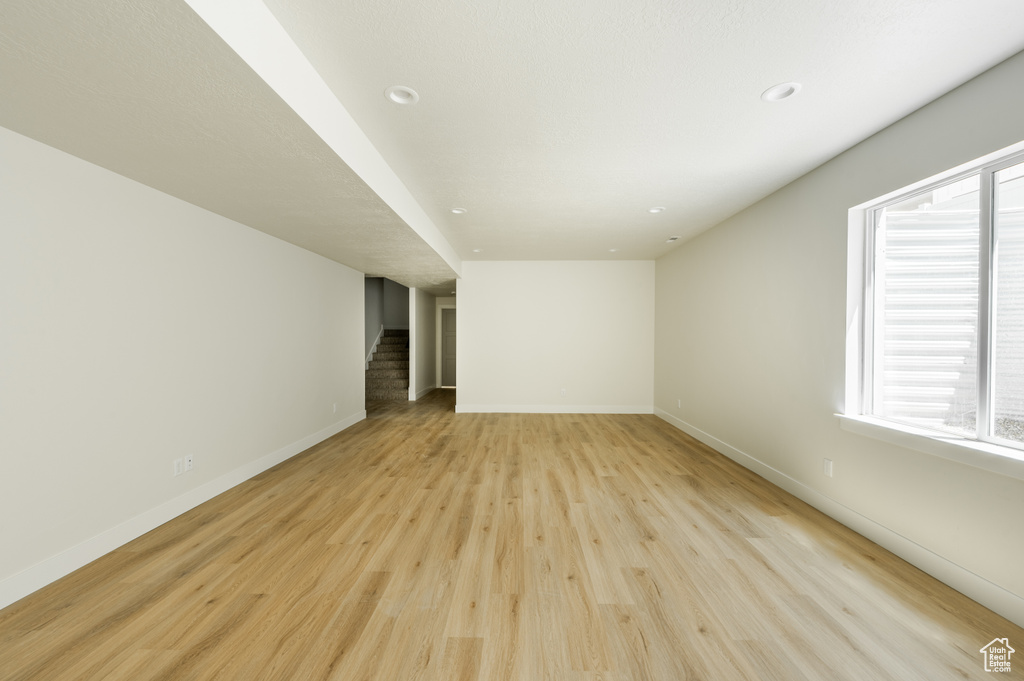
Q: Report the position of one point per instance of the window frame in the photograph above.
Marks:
(984, 451)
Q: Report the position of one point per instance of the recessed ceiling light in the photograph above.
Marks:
(656, 209)
(671, 239)
(458, 211)
(477, 250)
(612, 250)
(780, 92)
(399, 94)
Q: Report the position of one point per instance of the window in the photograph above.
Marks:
(937, 306)
(924, 308)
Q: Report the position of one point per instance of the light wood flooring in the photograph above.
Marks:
(421, 544)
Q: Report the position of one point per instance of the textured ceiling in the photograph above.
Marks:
(148, 90)
(555, 123)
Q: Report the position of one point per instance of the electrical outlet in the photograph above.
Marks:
(563, 392)
(334, 409)
(177, 467)
(679, 404)
(828, 468)
(188, 463)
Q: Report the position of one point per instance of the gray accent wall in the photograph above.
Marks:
(396, 305)
(373, 290)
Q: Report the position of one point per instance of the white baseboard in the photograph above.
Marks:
(423, 392)
(19, 585)
(992, 596)
(554, 409)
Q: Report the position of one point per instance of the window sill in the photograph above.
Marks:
(984, 455)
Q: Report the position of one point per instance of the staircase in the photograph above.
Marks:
(388, 375)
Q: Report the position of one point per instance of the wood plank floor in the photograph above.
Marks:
(424, 545)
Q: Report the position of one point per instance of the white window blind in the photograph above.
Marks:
(944, 301)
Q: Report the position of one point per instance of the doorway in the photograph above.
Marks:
(448, 348)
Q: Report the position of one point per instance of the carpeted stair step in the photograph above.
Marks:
(402, 395)
(388, 389)
(385, 356)
(397, 383)
(377, 372)
(389, 364)
(387, 377)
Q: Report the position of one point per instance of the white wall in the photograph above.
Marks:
(137, 329)
(396, 305)
(751, 323)
(527, 330)
(373, 311)
(422, 343)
